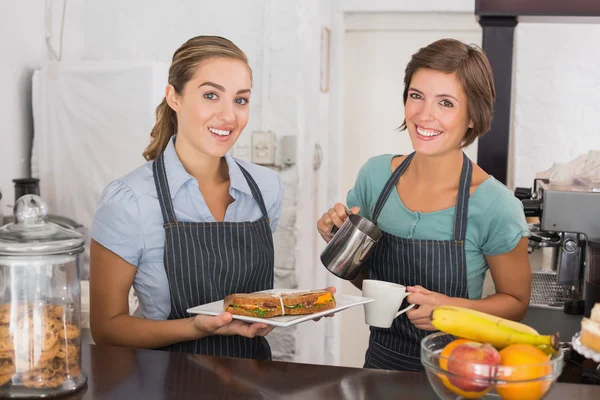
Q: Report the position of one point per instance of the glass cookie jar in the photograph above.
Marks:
(40, 304)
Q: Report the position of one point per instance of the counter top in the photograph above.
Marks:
(119, 373)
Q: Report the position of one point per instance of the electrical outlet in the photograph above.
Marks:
(263, 147)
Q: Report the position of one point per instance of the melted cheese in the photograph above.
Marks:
(324, 299)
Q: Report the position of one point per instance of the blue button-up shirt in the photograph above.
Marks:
(129, 222)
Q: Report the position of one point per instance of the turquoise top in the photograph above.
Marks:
(496, 222)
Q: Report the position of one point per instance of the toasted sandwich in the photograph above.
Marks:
(590, 329)
(266, 305)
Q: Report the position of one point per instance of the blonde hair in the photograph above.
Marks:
(185, 61)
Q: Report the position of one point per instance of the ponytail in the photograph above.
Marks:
(185, 62)
(164, 128)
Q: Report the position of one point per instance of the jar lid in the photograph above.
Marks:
(32, 234)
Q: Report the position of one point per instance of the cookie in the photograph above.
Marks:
(7, 366)
(69, 332)
(5, 313)
(57, 366)
(53, 375)
(55, 311)
(7, 354)
(10, 312)
(50, 337)
(43, 333)
(6, 342)
(71, 365)
(42, 337)
(43, 379)
(68, 350)
(4, 379)
(24, 365)
(67, 367)
(36, 342)
(32, 361)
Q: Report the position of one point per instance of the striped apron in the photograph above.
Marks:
(437, 265)
(205, 261)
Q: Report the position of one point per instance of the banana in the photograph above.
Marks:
(486, 328)
(500, 321)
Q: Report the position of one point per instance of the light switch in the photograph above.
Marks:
(287, 149)
(263, 147)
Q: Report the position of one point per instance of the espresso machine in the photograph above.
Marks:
(567, 231)
(569, 225)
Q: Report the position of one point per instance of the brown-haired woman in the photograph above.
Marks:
(192, 224)
(444, 220)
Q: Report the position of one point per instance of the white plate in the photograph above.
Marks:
(342, 301)
(584, 351)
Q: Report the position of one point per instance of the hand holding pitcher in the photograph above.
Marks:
(335, 217)
(348, 247)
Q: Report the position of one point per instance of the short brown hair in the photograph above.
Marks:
(185, 60)
(474, 73)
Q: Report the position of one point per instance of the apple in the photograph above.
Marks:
(472, 361)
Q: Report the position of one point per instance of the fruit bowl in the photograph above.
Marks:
(468, 380)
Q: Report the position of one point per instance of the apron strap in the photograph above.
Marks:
(162, 188)
(164, 195)
(390, 184)
(462, 202)
(255, 190)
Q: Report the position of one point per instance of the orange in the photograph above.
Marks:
(444, 365)
(524, 357)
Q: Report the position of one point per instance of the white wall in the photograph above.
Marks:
(313, 340)
(556, 95)
(153, 30)
(23, 48)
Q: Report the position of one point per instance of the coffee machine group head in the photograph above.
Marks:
(569, 223)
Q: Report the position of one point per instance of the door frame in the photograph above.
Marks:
(341, 12)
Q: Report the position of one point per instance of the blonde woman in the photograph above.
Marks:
(191, 225)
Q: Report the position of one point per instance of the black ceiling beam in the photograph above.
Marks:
(560, 8)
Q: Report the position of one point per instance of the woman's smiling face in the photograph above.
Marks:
(436, 113)
(213, 109)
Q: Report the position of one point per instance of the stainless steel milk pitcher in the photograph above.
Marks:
(350, 246)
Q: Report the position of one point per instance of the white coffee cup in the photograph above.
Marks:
(388, 299)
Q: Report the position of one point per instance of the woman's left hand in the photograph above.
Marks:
(426, 301)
